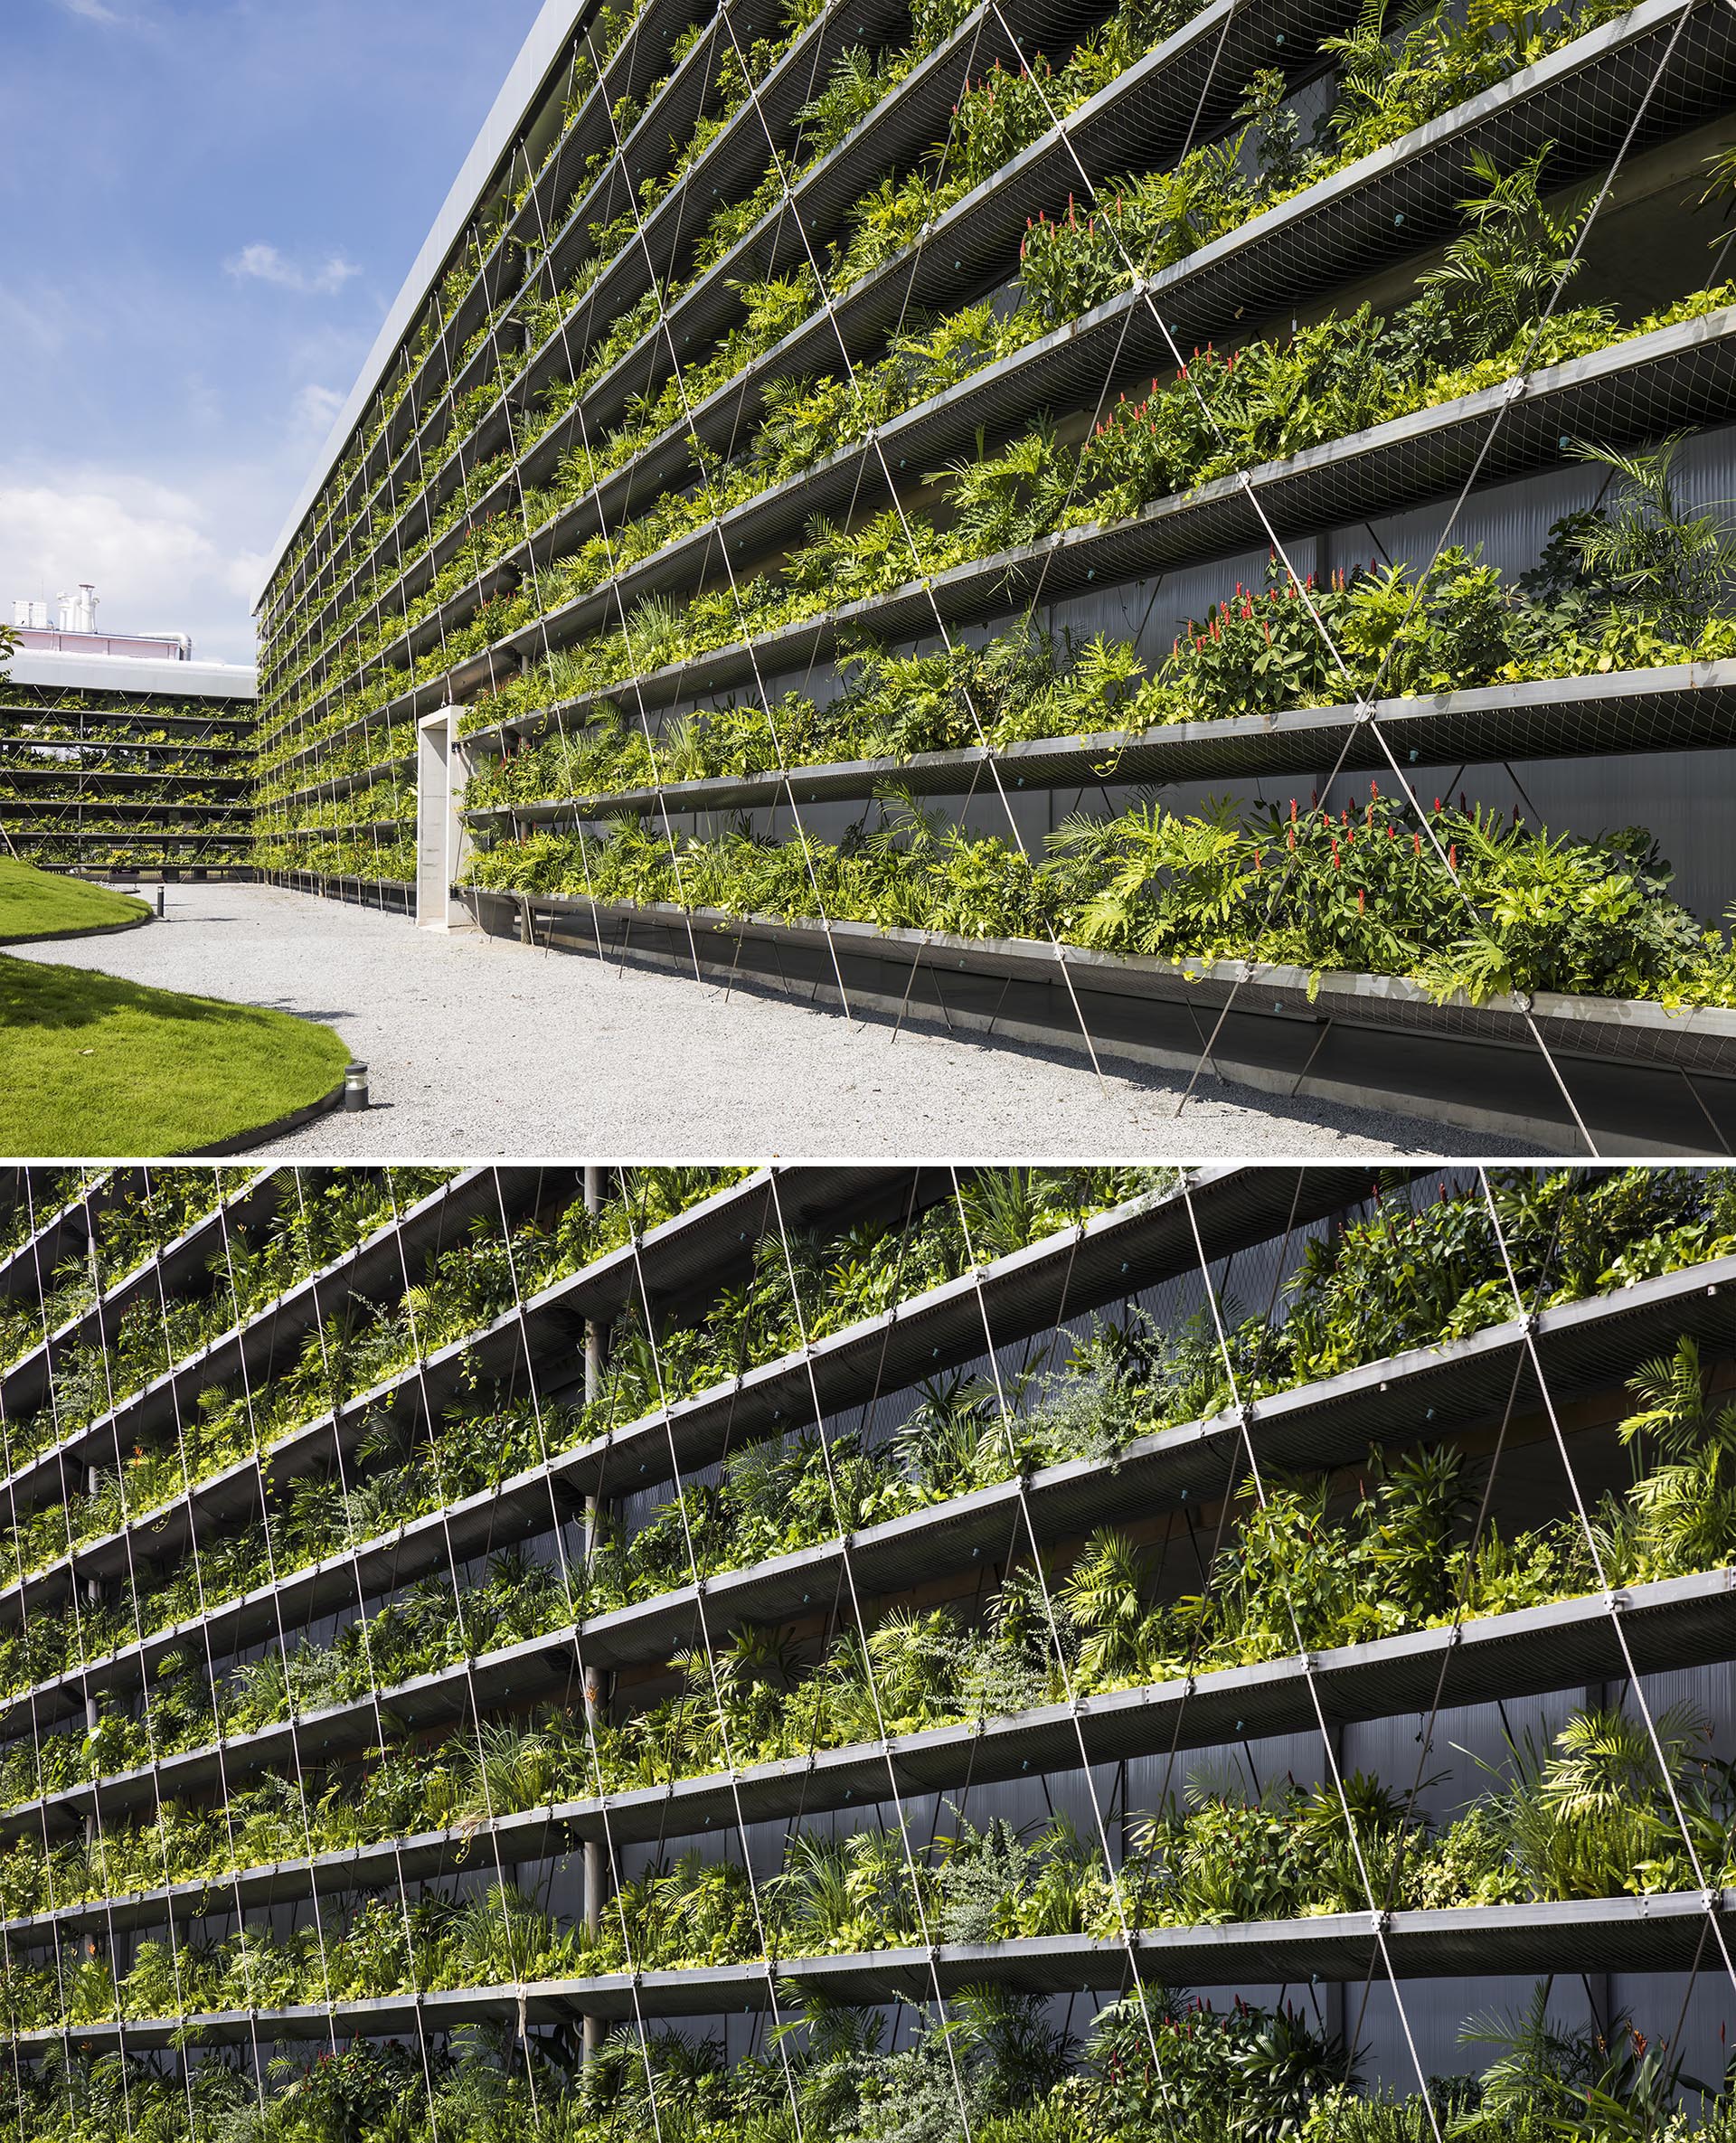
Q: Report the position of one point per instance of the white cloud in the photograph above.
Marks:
(313, 414)
(42, 321)
(264, 263)
(147, 547)
(100, 11)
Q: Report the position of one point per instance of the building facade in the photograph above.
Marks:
(527, 1634)
(827, 472)
(126, 765)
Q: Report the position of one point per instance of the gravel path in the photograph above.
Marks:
(479, 1049)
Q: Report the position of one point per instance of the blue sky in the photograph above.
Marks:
(209, 205)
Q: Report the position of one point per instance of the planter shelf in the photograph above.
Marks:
(1278, 259)
(1688, 707)
(1150, 112)
(1644, 1079)
(1583, 1348)
(1622, 1934)
(1119, 1250)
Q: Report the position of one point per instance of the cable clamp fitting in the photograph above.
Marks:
(1616, 1598)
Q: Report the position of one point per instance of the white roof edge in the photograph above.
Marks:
(127, 673)
(547, 36)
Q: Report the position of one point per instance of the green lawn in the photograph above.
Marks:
(39, 904)
(94, 1068)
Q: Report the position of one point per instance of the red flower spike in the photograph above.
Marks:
(1362, 901)
(1452, 859)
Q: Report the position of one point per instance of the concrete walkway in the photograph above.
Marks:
(479, 1049)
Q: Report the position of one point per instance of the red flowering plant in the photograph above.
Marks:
(1364, 629)
(997, 116)
(1069, 264)
(1258, 652)
(1143, 449)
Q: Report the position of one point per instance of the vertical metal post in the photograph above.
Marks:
(1333, 2018)
(93, 1594)
(596, 1696)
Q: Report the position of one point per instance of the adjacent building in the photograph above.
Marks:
(121, 755)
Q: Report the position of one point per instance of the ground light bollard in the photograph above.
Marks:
(159, 899)
(355, 1088)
